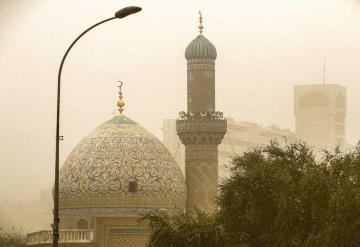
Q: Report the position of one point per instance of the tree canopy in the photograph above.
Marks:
(14, 238)
(276, 196)
(195, 229)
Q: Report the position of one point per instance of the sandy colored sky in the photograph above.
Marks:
(264, 49)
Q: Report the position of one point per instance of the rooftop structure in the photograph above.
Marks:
(320, 114)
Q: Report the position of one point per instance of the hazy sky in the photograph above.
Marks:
(264, 49)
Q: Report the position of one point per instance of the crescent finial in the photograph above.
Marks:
(201, 27)
(121, 102)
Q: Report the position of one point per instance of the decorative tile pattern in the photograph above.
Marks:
(98, 171)
(106, 237)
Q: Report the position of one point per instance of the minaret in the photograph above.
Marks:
(201, 128)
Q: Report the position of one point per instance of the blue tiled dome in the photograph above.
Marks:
(201, 48)
(117, 155)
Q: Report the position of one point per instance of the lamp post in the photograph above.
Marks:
(118, 15)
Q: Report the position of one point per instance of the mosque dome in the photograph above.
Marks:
(121, 165)
(200, 48)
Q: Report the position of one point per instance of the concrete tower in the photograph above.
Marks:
(201, 128)
(320, 112)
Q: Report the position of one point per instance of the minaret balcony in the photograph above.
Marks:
(201, 127)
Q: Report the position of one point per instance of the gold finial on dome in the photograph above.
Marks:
(121, 102)
(201, 27)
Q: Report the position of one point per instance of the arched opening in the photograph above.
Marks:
(133, 186)
(82, 224)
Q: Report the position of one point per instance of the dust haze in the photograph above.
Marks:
(264, 50)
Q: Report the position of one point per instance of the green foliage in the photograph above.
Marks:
(185, 230)
(276, 196)
(15, 238)
(283, 196)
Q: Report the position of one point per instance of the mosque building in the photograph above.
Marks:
(109, 181)
(121, 171)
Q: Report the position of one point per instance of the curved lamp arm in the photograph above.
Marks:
(74, 42)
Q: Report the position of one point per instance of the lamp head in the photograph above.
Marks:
(127, 11)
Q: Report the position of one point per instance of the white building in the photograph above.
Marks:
(240, 137)
(320, 113)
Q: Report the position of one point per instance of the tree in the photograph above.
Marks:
(15, 238)
(283, 196)
(194, 229)
(343, 226)
(278, 196)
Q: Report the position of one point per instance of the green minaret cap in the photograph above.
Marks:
(200, 47)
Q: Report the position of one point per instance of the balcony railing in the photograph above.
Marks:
(65, 236)
(212, 125)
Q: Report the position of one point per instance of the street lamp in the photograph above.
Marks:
(118, 15)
